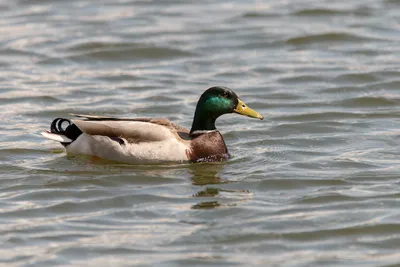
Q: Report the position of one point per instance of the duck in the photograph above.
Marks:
(152, 140)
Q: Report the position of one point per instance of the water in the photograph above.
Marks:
(314, 184)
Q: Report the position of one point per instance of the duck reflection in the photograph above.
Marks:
(206, 205)
(208, 174)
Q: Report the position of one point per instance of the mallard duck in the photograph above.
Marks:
(146, 140)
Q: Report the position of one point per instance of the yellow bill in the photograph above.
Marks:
(243, 109)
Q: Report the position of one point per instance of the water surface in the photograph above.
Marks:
(314, 184)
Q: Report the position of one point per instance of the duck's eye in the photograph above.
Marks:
(225, 94)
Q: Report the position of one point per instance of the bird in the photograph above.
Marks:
(153, 140)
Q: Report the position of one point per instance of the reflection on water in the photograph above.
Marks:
(209, 174)
(208, 192)
(206, 173)
(206, 205)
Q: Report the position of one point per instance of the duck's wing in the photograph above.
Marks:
(102, 118)
(133, 130)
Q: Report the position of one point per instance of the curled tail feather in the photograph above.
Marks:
(56, 125)
(63, 135)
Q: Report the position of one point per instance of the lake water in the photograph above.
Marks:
(317, 183)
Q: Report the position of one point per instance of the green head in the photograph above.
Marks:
(216, 101)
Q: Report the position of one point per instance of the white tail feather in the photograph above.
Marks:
(56, 137)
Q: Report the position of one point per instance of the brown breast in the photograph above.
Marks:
(208, 147)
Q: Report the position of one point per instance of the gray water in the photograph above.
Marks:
(317, 183)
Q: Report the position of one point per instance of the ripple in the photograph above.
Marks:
(327, 116)
(45, 99)
(371, 230)
(259, 15)
(368, 102)
(394, 2)
(319, 12)
(332, 198)
(278, 153)
(301, 79)
(124, 52)
(19, 56)
(361, 11)
(90, 46)
(289, 183)
(332, 37)
(356, 78)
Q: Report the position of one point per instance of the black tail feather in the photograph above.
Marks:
(56, 125)
(71, 131)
